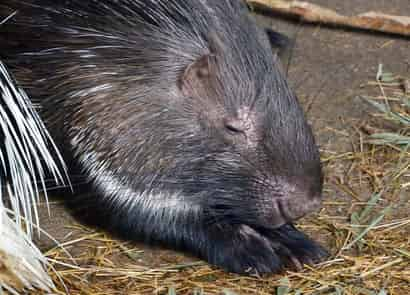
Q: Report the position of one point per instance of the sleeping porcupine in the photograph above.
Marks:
(179, 116)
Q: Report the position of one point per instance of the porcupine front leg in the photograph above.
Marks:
(242, 249)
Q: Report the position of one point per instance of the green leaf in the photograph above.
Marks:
(389, 138)
(369, 207)
(403, 252)
(339, 291)
(366, 230)
(284, 287)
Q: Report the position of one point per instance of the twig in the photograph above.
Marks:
(312, 13)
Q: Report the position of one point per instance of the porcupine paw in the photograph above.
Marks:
(297, 248)
(250, 251)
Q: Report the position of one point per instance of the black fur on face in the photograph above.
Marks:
(179, 114)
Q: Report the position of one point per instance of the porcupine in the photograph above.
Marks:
(181, 119)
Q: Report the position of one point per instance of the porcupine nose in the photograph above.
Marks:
(301, 196)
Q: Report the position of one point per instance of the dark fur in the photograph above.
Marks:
(180, 117)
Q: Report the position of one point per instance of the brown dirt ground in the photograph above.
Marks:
(328, 68)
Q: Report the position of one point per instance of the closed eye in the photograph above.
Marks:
(233, 129)
(234, 126)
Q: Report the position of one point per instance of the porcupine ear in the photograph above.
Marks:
(281, 44)
(200, 76)
(196, 75)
